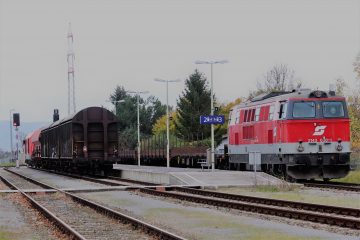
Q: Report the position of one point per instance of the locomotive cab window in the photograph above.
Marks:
(271, 112)
(282, 112)
(333, 109)
(257, 114)
(304, 110)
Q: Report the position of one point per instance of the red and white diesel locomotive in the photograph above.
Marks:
(302, 134)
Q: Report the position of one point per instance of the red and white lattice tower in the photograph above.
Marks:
(71, 76)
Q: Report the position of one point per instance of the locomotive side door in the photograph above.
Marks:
(282, 117)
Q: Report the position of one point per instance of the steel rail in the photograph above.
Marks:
(132, 181)
(353, 212)
(43, 185)
(95, 180)
(147, 228)
(332, 183)
(333, 186)
(63, 227)
(269, 210)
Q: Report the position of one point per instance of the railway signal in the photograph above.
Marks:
(16, 119)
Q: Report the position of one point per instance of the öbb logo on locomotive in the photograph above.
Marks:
(319, 130)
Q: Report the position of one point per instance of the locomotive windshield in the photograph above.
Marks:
(333, 109)
(304, 110)
(318, 109)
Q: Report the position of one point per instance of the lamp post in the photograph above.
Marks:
(212, 107)
(138, 119)
(167, 118)
(11, 133)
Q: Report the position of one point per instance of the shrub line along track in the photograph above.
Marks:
(334, 185)
(347, 222)
(67, 229)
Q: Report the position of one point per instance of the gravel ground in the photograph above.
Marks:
(302, 194)
(18, 220)
(3, 186)
(57, 180)
(200, 222)
(18, 181)
(86, 221)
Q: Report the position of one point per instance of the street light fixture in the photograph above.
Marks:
(116, 102)
(11, 133)
(212, 107)
(138, 118)
(167, 118)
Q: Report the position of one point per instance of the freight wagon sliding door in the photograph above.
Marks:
(78, 136)
(112, 139)
(95, 141)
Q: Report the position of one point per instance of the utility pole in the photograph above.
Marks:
(71, 75)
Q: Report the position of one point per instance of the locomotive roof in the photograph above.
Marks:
(279, 96)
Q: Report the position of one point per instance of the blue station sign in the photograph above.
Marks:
(212, 119)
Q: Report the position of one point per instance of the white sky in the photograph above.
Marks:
(132, 42)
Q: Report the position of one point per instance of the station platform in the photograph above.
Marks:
(194, 176)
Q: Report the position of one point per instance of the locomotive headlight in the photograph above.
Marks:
(339, 147)
(300, 148)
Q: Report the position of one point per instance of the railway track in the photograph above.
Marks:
(319, 215)
(350, 212)
(110, 180)
(86, 178)
(83, 219)
(333, 185)
(130, 181)
(20, 182)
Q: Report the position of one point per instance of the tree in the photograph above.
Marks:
(160, 125)
(224, 109)
(279, 78)
(340, 86)
(150, 111)
(356, 65)
(194, 102)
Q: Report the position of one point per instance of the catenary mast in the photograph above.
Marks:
(71, 76)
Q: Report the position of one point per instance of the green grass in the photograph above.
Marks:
(352, 177)
(8, 164)
(283, 187)
(10, 235)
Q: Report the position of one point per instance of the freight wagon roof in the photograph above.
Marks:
(58, 122)
(70, 117)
